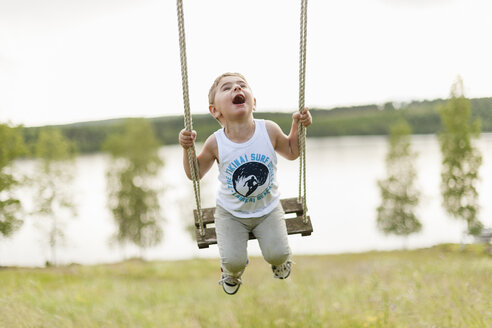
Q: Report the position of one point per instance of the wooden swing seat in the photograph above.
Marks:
(293, 220)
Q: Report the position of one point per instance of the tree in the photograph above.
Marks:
(461, 160)
(396, 214)
(389, 106)
(133, 198)
(11, 147)
(53, 199)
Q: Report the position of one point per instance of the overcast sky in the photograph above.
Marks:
(64, 61)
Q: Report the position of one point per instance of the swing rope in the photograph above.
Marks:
(192, 160)
(300, 128)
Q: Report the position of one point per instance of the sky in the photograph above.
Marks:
(65, 61)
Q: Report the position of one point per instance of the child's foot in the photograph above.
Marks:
(282, 271)
(230, 284)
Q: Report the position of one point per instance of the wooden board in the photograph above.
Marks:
(295, 225)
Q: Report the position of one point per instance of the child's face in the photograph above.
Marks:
(233, 99)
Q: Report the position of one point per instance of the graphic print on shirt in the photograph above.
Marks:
(249, 177)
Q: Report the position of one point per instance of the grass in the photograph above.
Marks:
(436, 287)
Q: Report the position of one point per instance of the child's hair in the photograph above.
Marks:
(213, 88)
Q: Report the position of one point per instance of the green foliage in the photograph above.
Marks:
(461, 159)
(396, 214)
(132, 197)
(53, 183)
(53, 146)
(11, 147)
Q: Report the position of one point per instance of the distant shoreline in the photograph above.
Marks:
(363, 120)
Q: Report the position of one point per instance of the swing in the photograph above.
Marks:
(296, 219)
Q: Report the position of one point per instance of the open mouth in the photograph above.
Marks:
(239, 99)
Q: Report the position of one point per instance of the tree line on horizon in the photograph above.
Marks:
(133, 146)
(422, 116)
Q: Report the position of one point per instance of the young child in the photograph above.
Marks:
(248, 198)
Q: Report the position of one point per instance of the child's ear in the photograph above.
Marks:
(214, 112)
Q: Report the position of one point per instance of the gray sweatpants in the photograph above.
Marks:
(233, 234)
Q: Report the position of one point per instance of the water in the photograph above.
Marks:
(342, 201)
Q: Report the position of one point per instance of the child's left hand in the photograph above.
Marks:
(304, 117)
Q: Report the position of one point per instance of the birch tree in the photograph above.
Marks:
(53, 185)
(11, 147)
(461, 160)
(132, 184)
(399, 195)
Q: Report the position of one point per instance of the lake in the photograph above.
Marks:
(342, 196)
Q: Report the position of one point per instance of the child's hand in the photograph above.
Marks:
(187, 138)
(304, 117)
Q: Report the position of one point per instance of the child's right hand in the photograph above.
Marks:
(187, 138)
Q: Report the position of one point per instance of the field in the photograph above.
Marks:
(438, 287)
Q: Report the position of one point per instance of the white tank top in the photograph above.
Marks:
(247, 174)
